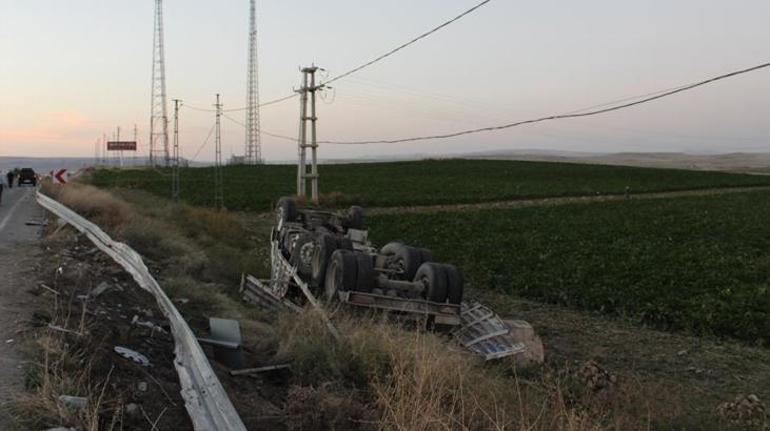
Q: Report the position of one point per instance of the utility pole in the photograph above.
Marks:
(308, 87)
(175, 189)
(104, 149)
(120, 152)
(96, 151)
(136, 141)
(158, 106)
(253, 150)
(219, 199)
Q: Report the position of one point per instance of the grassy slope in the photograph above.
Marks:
(697, 264)
(422, 182)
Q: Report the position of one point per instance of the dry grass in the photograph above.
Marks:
(419, 381)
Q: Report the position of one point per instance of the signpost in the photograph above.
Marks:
(121, 146)
(59, 176)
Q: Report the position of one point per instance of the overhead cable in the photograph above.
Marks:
(264, 132)
(404, 45)
(573, 114)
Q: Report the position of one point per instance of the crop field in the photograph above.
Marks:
(429, 182)
(699, 264)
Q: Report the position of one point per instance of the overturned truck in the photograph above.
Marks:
(332, 254)
(327, 254)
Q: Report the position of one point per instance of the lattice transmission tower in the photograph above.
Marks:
(253, 153)
(158, 110)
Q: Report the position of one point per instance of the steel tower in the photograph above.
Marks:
(253, 153)
(158, 106)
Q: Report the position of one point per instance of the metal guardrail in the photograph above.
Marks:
(205, 398)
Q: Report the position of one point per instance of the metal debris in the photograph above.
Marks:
(259, 369)
(72, 402)
(226, 340)
(133, 356)
(484, 333)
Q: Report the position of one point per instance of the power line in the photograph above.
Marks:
(573, 114)
(204, 143)
(264, 132)
(365, 65)
(268, 103)
(402, 46)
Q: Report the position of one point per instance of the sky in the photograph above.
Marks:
(73, 70)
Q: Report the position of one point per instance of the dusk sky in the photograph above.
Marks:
(71, 70)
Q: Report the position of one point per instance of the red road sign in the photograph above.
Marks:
(58, 176)
(121, 146)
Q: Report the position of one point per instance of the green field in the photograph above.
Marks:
(699, 264)
(428, 182)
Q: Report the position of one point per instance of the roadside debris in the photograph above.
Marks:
(259, 369)
(73, 402)
(102, 288)
(226, 341)
(596, 378)
(133, 356)
(745, 410)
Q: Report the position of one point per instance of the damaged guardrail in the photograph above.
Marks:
(205, 398)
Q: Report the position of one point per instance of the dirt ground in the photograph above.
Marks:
(91, 324)
(691, 375)
(420, 209)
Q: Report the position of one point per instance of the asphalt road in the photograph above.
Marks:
(19, 253)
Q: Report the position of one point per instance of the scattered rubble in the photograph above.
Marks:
(73, 402)
(745, 410)
(596, 378)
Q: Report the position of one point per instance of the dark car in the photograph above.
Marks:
(27, 176)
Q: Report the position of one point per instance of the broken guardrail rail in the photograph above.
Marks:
(205, 398)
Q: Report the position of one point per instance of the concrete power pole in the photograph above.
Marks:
(253, 151)
(308, 87)
(175, 186)
(219, 199)
(158, 106)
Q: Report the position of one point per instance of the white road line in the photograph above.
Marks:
(12, 210)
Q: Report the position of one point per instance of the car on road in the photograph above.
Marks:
(28, 176)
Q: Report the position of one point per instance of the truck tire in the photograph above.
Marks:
(365, 276)
(325, 245)
(426, 255)
(341, 274)
(344, 243)
(391, 247)
(409, 260)
(454, 284)
(302, 254)
(355, 218)
(286, 210)
(433, 276)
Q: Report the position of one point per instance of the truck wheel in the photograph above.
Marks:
(408, 259)
(433, 277)
(391, 247)
(355, 219)
(344, 243)
(286, 210)
(426, 255)
(366, 275)
(302, 254)
(454, 284)
(341, 274)
(324, 247)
